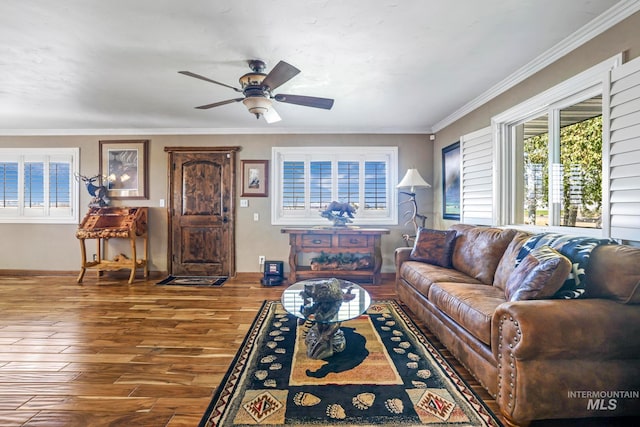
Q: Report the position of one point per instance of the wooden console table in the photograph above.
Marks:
(114, 223)
(335, 240)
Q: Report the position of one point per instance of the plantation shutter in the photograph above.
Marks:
(476, 198)
(622, 159)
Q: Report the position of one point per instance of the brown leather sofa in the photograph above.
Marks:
(540, 358)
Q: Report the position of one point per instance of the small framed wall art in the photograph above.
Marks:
(255, 178)
(451, 181)
(125, 166)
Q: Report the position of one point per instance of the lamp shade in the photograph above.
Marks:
(257, 105)
(414, 180)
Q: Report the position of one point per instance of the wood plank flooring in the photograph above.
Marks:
(106, 353)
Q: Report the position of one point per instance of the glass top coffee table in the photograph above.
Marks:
(326, 303)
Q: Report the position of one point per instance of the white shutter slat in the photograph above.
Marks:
(476, 204)
(628, 158)
(625, 208)
(624, 151)
(621, 75)
(628, 120)
(623, 109)
(624, 171)
(626, 146)
(626, 133)
(621, 98)
(625, 196)
(626, 233)
(629, 183)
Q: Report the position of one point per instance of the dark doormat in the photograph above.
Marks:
(193, 280)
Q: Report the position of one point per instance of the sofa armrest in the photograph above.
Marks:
(565, 329)
(546, 348)
(401, 255)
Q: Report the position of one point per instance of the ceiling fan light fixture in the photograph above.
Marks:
(257, 105)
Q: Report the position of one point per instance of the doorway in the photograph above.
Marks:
(202, 211)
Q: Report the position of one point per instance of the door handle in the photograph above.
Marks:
(225, 219)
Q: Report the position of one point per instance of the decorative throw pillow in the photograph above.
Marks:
(539, 275)
(576, 248)
(434, 246)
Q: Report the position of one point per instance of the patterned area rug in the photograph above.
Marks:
(194, 280)
(389, 375)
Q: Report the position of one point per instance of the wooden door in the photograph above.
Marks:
(202, 216)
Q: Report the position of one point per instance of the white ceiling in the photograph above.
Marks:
(396, 66)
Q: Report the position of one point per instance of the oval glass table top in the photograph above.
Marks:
(326, 300)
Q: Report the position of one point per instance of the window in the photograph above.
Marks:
(38, 185)
(307, 179)
(562, 167)
(552, 149)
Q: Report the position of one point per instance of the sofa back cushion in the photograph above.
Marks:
(539, 275)
(478, 250)
(433, 246)
(614, 273)
(577, 248)
(508, 261)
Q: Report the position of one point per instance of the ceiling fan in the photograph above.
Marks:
(257, 89)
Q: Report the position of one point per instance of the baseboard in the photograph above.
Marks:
(244, 276)
(74, 273)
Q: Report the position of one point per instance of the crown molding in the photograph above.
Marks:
(209, 131)
(597, 26)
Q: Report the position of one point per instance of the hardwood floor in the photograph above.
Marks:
(106, 353)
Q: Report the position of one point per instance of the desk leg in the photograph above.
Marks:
(134, 261)
(293, 261)
(146, 257)
(83, 269)
(377, 261)
(102, 253)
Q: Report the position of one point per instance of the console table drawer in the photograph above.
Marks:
(335, 241)
(353, 241)
(316, 241)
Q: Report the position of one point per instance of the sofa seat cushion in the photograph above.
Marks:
(421, 275)
(470, 305)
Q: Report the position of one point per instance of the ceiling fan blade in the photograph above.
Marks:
(280, 74)
(307, 101)
(271, 116)
(217, 104)
(198, 76)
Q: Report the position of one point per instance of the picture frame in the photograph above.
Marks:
(255, 178)
(451, 163)
(125, 166)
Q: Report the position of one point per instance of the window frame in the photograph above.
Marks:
(583, 86)
(45, 155)
(362, 154)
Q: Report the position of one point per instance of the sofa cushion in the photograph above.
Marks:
(508, 261)
(577, 249)
(421, 275)
(470, 305)
(538, 276)
(614, 273)
(478, 250)
(434, 246)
